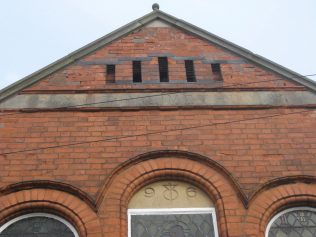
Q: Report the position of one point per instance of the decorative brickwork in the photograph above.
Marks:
(247, 141)
(274, 200)
(56, 202)
(90, 72)
(120, 188)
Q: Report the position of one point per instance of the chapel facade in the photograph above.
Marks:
(161, 129)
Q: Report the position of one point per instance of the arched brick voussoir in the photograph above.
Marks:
(51, 185)
(57, 202)
(308, 179)
(149, 164)
(267, 203)
(188, 167)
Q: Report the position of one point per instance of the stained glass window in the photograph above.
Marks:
(172, 223)
(180, 225)
(37, 225)
(171, 208)
(296, 222)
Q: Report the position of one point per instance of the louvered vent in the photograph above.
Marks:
(110, 73)
(163, 69)
(217, 73)
(137, 71)
(189, 69)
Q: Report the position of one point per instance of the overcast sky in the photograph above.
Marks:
(35, 33)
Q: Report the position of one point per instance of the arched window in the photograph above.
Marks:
(38, 224)
(294, 222)
(171, 209)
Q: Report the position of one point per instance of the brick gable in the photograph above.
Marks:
(89, 73)
(79, 146)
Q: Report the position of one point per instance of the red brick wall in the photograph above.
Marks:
(250, 169)
(251, 153)
(87, 74)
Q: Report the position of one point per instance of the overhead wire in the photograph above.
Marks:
(150, 96)
(154, 132)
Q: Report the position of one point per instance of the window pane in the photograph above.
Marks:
(37, 227)
(298, 223)
(180, 225)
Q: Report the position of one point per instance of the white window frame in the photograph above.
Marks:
(286, 211)
(171, 211)
(70, 226)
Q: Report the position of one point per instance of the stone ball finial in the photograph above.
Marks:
(155, 6)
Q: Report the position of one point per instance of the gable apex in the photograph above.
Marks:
(156, 18)
(157, 23)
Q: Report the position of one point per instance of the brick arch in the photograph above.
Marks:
(49, 184)
(183, 166)
(271, 201)
(172, 153)
(308, 179)
(57, 202)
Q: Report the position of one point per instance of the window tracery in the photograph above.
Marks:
(171, 209)
(38, 224)
(294, 222)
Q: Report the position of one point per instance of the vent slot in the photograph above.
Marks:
(137, 71)
(163, 69)
(189, 69)
(217, 73)
(110, 73)
(216, 68)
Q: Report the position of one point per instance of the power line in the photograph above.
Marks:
(311, 75)
(156, 95)
(156, 132)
